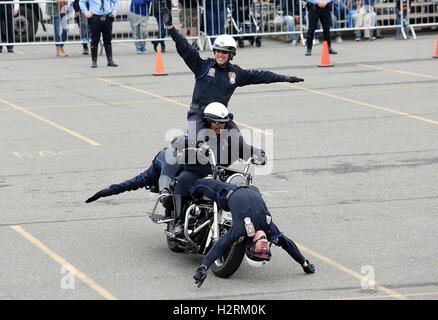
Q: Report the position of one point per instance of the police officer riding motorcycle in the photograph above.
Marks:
(226, 144)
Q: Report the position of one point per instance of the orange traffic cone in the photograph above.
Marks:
(436, 51)
(159, 67)
(325, 59)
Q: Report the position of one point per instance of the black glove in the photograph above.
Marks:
(166, 15)
(293, 79)
(310, 268)
(200, 275)
(95, 197)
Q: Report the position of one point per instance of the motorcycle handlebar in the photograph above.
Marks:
(212, 159)
(204, 149)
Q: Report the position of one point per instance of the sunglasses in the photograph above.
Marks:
(217, 122)
(221, 51)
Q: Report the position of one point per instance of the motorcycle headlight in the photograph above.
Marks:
(238, 179)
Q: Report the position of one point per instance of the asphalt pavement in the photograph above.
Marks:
(352, 173)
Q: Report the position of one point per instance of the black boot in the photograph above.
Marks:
(179, 224)
(85, 49)
(155, 43)
(329, 45)
(166, 199)
(109, 56)
(94, 56)
(309, 46)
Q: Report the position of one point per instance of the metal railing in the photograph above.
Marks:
(42, 22)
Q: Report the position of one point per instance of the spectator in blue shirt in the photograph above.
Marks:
(138, 18)
(100, 15)
(319, 10)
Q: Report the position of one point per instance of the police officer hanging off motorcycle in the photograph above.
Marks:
(252, 222)
(216, 78)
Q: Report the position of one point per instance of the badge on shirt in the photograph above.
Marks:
(211, 72)
(241, 238)
(268, 219)
(232, 77)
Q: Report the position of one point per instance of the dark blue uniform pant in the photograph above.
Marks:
(186, 180)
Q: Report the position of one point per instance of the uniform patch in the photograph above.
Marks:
(203, 57)
(232, 77)
(268, 219)
(211, 72)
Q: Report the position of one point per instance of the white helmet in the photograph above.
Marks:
(225, 42)
(256, 257)
(216, 112)
(256, 263)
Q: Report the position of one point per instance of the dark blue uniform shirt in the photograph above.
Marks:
(213, 83)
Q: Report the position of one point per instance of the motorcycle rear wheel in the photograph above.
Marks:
(229, 262)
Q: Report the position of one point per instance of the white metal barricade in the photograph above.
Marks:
(49, 22)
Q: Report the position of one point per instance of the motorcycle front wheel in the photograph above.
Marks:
(229, 262)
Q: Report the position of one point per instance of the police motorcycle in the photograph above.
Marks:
(204, 222)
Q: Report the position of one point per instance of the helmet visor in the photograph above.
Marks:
(215, 119)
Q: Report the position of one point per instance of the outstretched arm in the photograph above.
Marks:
(135, 183)
(247, 77)
(183, 47)
(222, 245)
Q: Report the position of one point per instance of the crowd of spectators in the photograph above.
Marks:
(359, 16)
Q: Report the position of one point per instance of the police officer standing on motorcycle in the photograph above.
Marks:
(101, 16)
(244, 202)
(216, 78)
